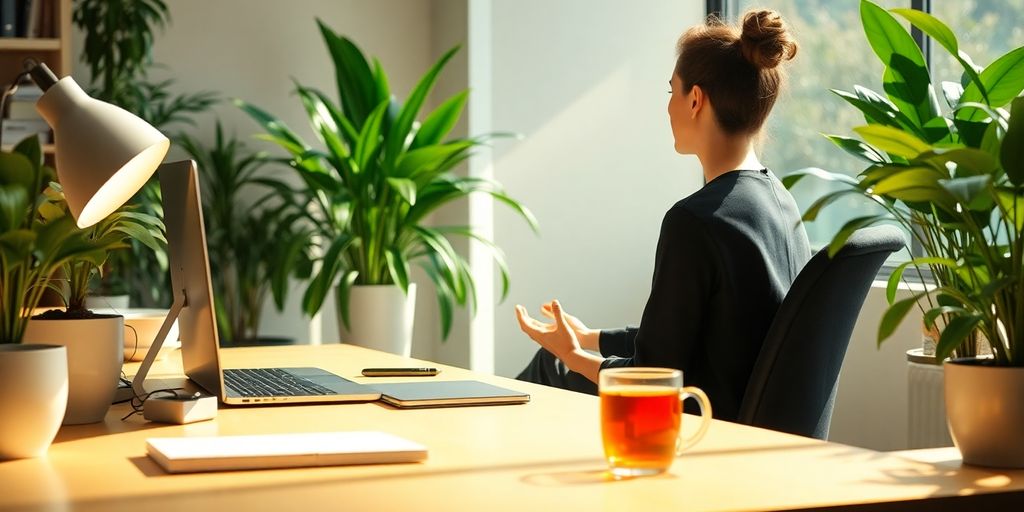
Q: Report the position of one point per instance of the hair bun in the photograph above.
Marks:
(765, 40)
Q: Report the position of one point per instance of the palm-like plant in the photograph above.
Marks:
(32, 246)
(254, 248)
(954, 180)
(110, 235)
(378, 177)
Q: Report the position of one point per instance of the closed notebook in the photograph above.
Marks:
(224, 453)
(447, 394)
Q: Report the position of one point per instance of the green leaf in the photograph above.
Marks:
(427, 158)
(278, 132)
(440, 121)
(941, 34)
(792, 178)
(1013, 205)
(370, 137)
(1011, 153)
(908, 178)
(857, 149)
(897, 274)
(318, 288)
(400, 131)
(398, 267)
(405, 187)
(342, 295)
(13, 208)
(17, 170)
(444, 298)
(907, 81)
(967, 190)
(893, 140)
(356, 86)
(1003, 79)
(894, 315)
(30, 148)
(934, 313)
(956, 331)
(848, 229)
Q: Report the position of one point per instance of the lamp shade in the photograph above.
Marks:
(105, 154)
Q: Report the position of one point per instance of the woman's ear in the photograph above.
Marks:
(697, 99)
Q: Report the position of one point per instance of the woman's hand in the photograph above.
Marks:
(589, 338)
(558, 337)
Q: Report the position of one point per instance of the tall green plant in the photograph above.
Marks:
(377, 178)
(255, 246)
(106, 237)
(953, 179)
(117, 48)
(32, 246)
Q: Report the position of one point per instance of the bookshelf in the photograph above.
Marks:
(51, 44)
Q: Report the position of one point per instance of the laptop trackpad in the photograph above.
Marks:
(330, 381)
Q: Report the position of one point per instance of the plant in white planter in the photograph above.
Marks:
(955, 180)
(33, 378)
(95, 342)
(368, 191)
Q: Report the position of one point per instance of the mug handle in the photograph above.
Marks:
(705, 417)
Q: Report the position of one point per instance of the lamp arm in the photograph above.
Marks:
(139, 381)
(39, 72)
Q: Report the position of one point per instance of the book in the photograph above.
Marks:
(447, 394)
(226, 453)
(8, 18)
(16, 130)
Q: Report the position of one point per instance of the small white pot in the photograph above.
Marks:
(985, 406)
(118, 302)
(95, 354)
(381, 318)
(33, 396)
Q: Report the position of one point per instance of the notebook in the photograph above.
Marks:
(447, 394)
(225, 453)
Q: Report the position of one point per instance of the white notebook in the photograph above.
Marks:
(224, 453)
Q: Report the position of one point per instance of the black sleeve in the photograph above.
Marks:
(683, 285)
(617, 342)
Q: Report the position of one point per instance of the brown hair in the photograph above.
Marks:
(738, 68)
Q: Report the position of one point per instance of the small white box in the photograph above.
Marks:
(180, 410)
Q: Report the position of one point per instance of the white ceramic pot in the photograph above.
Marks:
(985, 407)
(33, 396)
(95, 354)
(117, 302)
(381, 318)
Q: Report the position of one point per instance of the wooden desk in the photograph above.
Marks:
(545, 455)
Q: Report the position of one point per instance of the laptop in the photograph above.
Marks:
(200, 346)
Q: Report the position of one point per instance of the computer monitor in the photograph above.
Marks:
(190, 280)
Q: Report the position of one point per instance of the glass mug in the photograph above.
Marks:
(641, 419)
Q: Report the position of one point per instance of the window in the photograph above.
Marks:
(834, 54)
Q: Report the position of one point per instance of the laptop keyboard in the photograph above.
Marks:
(271, 382)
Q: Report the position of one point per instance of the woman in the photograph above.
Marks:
(726, 255)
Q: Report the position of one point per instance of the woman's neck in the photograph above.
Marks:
(725, 154)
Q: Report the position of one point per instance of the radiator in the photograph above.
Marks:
(926, 405)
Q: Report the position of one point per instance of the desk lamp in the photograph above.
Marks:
(104, 154)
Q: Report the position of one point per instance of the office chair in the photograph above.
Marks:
(792, 387)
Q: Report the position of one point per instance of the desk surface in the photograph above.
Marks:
(545, 455)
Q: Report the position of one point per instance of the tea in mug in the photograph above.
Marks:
(640, 426)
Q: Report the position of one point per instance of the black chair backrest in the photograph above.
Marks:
(793, 384)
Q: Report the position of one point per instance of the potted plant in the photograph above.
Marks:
(33, 378)
(255, 246)
(955, 181)
(117, 48)
(369, 191)
(95, 342)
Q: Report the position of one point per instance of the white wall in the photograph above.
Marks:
(586, 83)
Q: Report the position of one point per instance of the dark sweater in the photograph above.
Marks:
(726, 257)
